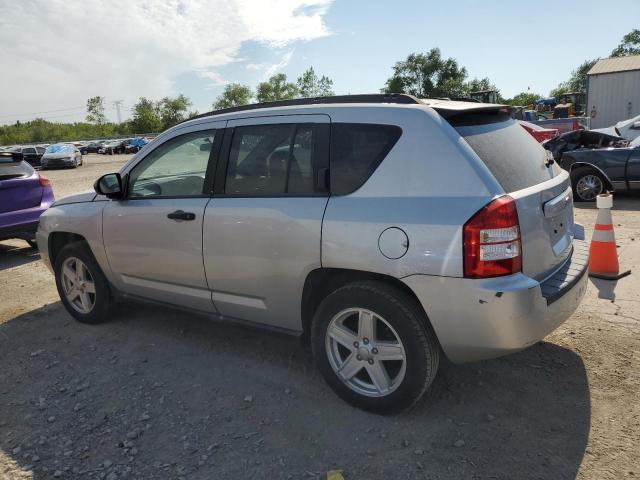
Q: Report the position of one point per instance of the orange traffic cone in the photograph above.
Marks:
(603, 258)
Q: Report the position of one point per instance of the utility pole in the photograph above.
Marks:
(117, 104)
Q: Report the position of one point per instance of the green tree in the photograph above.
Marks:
(146, 116)
(233, 95)
(577, 82)
(40, 130)
(173, 110)
(276, 88)
(310, 85)
(523, 99)
(95, 110)
(480, 84)
(630, 45)
(427, 75)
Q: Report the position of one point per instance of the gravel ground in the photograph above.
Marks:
(162, 394)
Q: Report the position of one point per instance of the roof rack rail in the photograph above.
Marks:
(399, 98)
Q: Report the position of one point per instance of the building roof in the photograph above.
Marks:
(615, 64)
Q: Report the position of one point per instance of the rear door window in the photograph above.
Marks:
(512, 155)
(273, 160)
(356, 151)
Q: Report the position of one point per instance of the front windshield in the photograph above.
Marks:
(59, 149)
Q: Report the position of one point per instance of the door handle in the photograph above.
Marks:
(181, 215)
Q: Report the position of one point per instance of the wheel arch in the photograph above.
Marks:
(576, 165)
(58, 240)
(321, 282)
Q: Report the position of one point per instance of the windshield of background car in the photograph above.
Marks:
(59, 149)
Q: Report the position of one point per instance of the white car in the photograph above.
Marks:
(629, 129)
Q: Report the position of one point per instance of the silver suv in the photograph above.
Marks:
(387, 231)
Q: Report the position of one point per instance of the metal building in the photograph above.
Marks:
(613, 90)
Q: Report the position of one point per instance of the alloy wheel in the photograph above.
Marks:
(78, 285)
(589, 187)
(365, 352)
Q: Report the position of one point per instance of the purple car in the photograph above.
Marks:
(24, 195)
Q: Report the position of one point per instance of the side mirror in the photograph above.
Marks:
(109, 185)
(636, 126)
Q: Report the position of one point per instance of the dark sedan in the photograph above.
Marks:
(595, 170)
(91, 147)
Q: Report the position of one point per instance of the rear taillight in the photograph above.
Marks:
(492, 241)
(44, 182)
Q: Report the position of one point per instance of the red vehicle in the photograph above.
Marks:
(541, 134)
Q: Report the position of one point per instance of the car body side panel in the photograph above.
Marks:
(84, 219)
(429, 205)
(611, 162)
(153, 256)
(633, 169)
(258, 253)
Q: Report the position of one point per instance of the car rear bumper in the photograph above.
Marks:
(479, 319)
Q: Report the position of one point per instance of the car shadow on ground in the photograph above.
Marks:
(162, 394)
(16, 253)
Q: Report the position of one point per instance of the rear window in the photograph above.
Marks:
(10, 169)
(356, 151)
(512, 155)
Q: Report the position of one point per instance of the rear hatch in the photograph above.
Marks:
(528, 174)
(19, 186)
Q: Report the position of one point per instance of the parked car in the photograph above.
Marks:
(91, 147)
(581, 139)
(595, 170)
(30, 153)
(541, 134)
(112, 148)
(629, 129)
(384, 229)
(24, 195)
(61, 155)
(134, 145)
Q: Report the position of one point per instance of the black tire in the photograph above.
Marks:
(412, 327)
(103, 305)
(585, 174)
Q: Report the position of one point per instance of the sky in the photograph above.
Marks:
(56, 54)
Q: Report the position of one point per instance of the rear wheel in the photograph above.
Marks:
(587, 184)
(82, 286)
(374, 346)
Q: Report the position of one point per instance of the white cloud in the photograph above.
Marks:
(269, 69)
(57, 53)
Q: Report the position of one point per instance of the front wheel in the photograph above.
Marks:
(587, 184)
(82, 286)
(374, 346)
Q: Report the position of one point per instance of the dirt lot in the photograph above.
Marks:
(163, 394)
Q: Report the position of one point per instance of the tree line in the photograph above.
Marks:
(421, 74)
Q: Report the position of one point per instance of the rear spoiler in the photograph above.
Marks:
(480, 115)
(14, 157)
